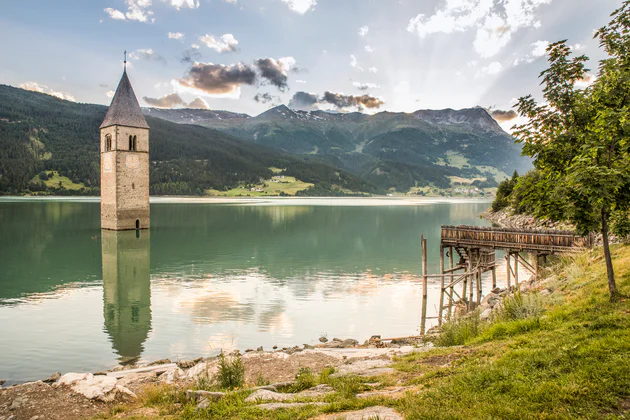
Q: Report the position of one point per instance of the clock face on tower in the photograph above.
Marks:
(132, 161)
(107, 162)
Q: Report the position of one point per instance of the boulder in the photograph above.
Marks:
(72, 378)
(137, 378)
(199, 395)
(266, 395)
(323, 339)
(160, 362)
(203, 369)
(171, 375)
(52, 378)
(101, 388)
(485, 315)
(378, 412)
(187, 364)
(278, 406)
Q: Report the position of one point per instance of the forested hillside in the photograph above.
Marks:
(390, 149)
(41, 133)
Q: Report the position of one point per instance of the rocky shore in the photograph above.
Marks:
(83, 395)
(505, 218)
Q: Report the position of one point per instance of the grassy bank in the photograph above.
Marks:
(567, 358)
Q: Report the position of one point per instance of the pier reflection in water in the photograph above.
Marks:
(127, 291)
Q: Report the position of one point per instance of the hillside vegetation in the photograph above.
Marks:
(568, 358)
(39, 133)
(392, 150)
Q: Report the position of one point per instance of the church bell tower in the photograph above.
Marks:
(124, 162)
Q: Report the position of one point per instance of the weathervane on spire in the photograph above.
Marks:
(125, 60)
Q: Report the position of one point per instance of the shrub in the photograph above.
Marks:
(457, 331)
(520, 306)
(304, 380)
(231, 371)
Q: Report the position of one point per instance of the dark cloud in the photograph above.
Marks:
(190, 56)
(168, 101)
(344, 101)
(265, 97)
(273, 71)
(219, 78)
(502, 116)
(103, 85)
(304, 101)
(173, 100)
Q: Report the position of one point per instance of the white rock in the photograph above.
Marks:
(201, 370)
(265, 395)
(171, 375)
(97, 387)
(72, 378)
(126, 391)
(485, 314)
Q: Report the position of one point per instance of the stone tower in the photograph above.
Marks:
(124, 162)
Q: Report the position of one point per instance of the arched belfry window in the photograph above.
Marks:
(108, 142)
(135, 146)
(130, 142)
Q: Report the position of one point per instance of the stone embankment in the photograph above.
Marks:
(505, 218)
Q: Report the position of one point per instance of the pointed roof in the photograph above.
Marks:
(124, 109)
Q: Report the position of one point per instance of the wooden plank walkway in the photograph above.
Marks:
(523, 240)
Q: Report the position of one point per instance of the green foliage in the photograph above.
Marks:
(459, 330)
(579, 138)
(231, 373)
(520, 306)
(502, 199)
(304, 379)
(620, 224)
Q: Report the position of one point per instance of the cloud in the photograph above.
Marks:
(176, 35)
(369, 49)
(342, 101)
(168, 101)
(227, 43)
(502, 116)
(365, 86)
(265, 97)
(540, 48)
(199, 103)
(301, 6)
(301, 81)
(354, 63)
(309, 101)
(137, 10)
(115, 14)
(494, 21)
(146, 54)
(373, 70)
(363, 30)
(174, 100)
(491, 69)
(304, 101)
(218, 79)
(275, 71)
(179, 4)
(195, 46)
(577, 47)
(585, 81)
(110, 94)
(36, 87)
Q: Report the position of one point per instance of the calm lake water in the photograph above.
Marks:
(208, 275)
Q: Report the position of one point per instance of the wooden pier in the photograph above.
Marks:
(470, 252)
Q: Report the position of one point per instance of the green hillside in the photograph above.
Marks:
(391, 150)
(40, 133)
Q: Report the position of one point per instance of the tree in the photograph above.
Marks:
(579, 138)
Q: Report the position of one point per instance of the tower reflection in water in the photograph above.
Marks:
(126, 291)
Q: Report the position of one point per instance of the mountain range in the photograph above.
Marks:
(194, 150)
(390, 150)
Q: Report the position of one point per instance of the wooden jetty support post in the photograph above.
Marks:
(475, 247)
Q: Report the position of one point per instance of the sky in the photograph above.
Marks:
(249, 55)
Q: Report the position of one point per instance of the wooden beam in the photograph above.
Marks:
(424, 286)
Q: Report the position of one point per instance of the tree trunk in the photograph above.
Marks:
(612, 286)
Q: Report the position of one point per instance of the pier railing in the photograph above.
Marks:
(540, 241)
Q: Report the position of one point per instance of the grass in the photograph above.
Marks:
(54, 180)
(288, 185)
(562, 356)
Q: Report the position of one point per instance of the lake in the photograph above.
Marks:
(210, 274)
